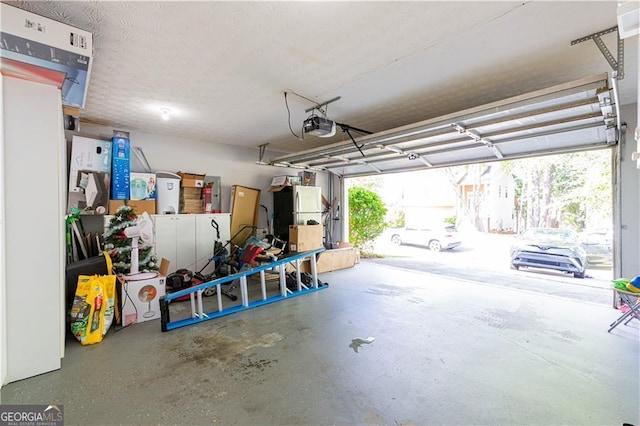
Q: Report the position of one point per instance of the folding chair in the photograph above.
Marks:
(632, 301)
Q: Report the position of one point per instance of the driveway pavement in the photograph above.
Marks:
(483, 258)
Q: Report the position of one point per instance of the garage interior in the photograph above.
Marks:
(444, 353)
(455, 83)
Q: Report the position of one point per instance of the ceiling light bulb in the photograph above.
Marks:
(165, 113)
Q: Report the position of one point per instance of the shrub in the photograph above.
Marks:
(366, 217)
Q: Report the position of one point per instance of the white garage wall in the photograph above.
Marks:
(630, 195)
(235, 165)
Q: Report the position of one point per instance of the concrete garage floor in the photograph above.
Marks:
(444, 353)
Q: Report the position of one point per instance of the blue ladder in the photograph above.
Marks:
(196, 292)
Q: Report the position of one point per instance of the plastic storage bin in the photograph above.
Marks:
(167, 193)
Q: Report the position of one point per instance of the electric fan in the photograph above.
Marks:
(142, 230)
(146, 295)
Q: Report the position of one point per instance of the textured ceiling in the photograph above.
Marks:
(223, 67)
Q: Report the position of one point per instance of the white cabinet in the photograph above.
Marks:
(186, 240)
(32, 316)
(175, 240)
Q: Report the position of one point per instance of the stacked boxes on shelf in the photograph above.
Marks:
(190, 201)
(191, 193)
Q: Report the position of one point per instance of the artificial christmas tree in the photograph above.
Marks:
(118, 245)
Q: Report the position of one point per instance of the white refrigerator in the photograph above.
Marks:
(295, 205)
(307, 204)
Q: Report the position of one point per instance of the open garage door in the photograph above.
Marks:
(570, 117)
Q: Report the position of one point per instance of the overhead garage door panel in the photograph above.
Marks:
(558, 141)
(467, 155)
(565, 118)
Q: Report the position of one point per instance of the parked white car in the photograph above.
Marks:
(437, 237)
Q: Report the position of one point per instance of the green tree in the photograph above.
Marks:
(570, 190)
(118, 245)
(366, 217)
(396, 218)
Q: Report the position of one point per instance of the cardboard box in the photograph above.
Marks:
(305, 237)
(191, 200)
(40, 49)
(191, 207)
(190, 193)
(142, 186)
(332, 260)
(89, 176)
(190, 180)
(243, 206)
(286, 180)
(138, 206)
(120, 166)
(139, 300)
(164, 266)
